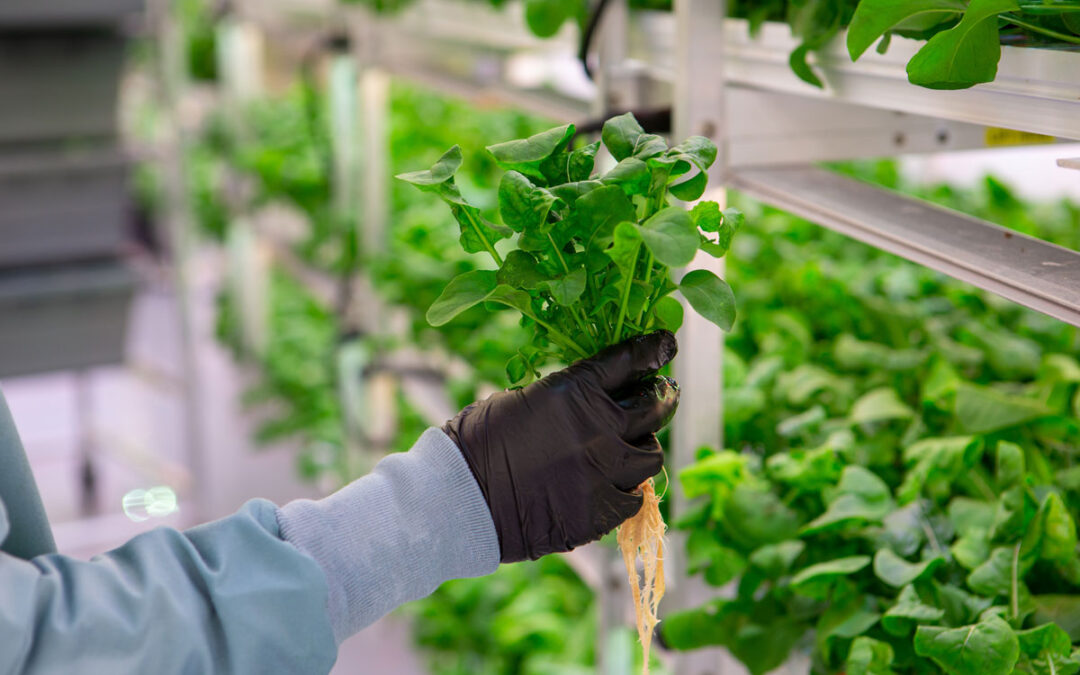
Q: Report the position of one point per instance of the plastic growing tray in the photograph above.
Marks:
(59, 86)
(65, 13)
(63, 318)
(62, 206)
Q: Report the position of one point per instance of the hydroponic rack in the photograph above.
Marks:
(771, 128)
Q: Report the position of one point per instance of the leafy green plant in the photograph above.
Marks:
(593, 250)
(901, 496)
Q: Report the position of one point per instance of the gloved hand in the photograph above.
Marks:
(558, 460)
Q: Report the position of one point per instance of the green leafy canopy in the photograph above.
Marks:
(592, 255)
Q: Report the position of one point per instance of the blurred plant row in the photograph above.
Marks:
(901, 488)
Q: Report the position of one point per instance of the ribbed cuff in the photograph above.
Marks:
(417, 520)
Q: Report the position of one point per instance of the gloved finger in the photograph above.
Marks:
(631, 360)
(649, 406)
(627, 466)
(614, 507)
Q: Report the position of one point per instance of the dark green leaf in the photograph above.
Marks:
(710, 296)
(440, 172)
(464, 291)
(814, 581)
(860, 497)
(669, 313)
(873, 18)
(895, 571)
(522, 204)
(630, 174)
(670, 236)
(581, 162)
(869, 657)
(624, 137)
(964, 55)
(520, 270)
(985, 648)
(908, 612)
(527, 155)
(774, 560)
(566, 290)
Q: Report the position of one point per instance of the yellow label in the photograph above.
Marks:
(997, 137)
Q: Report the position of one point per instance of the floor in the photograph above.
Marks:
(128, 424)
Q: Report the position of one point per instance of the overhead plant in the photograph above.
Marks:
(900, 494)
(590, 264)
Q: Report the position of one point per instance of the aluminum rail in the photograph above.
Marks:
(1026, 270)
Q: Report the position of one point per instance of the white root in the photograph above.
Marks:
(642, 536)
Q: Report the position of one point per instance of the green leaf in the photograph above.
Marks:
(774, 560)
(1008, 463)
(520, 270)
(705, 554)
(994, 576)
(964, 55)
(707, 216)
(711, 624)
(463, 292)
(895, 571)
(937, 459)
(697, 150)
(1059, 529)
(439, 173)
(810, 470)
(717, 474)
(753, 516)
(624, 137)
(582, 161)
(972, 548)
(517, 369)
(801, 67)
(566, 290)
(630, 174)
(670, 236)
(546, 17)
(690, 189)
(873, 18)
(869, 657)
(859, 497)
(814, 581)
(710, 296)
(1063, 610)
(986, 648)
(522, 205)
(669, 313)
(982, 410)
(599, 212)
(908, 612)
(528, 155)
(624, 250)
(880, 405)
(1046, 639)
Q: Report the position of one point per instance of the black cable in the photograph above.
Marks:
(587, 35)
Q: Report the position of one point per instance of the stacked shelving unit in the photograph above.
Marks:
(772, 129)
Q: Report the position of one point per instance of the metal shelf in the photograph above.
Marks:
(1023, 269)
(1036, 90)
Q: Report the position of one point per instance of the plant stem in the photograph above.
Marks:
(574, 312)
(625, 296)
(1015, 595)
(648, 278)
(1035, 28)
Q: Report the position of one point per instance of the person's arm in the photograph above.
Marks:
(266, 590)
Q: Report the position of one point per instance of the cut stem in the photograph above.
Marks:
(625, 297)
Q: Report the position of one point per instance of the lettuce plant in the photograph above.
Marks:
(592, 254)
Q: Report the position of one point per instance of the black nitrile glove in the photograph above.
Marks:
(558, 460)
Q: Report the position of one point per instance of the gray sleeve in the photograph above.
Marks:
(417, 520)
